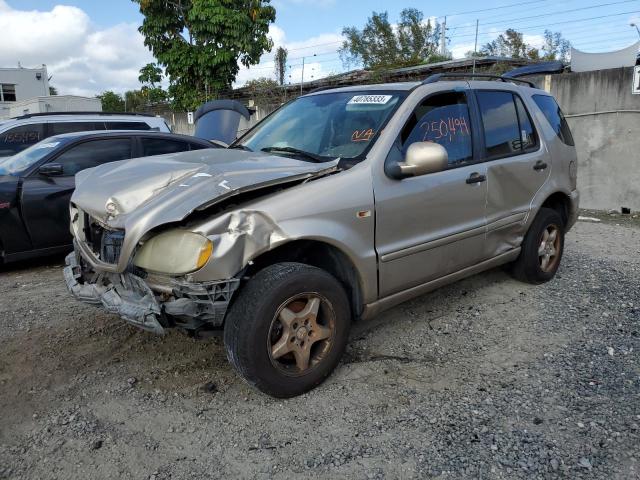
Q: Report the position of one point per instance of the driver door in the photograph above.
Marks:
(45, 198)
(432, 225)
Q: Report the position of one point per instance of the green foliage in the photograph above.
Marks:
(150, 75)
(53, 91)
(200, 42)
(555, 47)
(280, 60)
(264, 91)
(511, 44)
(378, 45)
(111, 102)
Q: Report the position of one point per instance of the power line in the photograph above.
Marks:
(559, 23)
(573, 10)
(468, 12)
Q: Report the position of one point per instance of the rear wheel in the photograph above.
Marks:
(288, 328)
(542, 248)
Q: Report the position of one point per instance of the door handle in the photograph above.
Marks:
(540, 165)
(475, 177)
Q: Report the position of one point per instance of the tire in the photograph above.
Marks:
(530, 267)
(270, 326)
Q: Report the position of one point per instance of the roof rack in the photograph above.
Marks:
(126, 114)
(439, 76)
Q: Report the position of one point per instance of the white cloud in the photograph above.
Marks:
(82, 59)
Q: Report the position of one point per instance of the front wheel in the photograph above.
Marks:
(288, 328)
(542, 248)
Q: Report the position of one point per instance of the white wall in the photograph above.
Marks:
(27, 83)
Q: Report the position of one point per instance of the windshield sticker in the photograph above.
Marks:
(49, 145)
(362, 135)
(370, 100)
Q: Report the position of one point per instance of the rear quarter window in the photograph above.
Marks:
(127, 125)
(552, 112)
(18, 138)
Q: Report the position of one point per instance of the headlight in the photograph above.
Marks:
(174, 252)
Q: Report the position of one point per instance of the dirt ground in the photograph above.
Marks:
(486, 378)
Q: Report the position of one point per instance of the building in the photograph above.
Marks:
(17, 84)
(26, 90)
(54, 103)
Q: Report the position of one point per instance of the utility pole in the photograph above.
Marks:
(443, 38)
(302, 76)
(475, 48)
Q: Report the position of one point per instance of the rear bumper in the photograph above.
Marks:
(191, 306)
(574, 205)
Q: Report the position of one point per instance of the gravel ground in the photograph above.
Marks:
(486, 378)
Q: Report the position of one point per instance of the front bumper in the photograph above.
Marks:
(191, 306)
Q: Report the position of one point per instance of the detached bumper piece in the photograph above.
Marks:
(125, 295)
(191, 306)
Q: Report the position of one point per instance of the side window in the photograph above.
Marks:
(199, 146)
(554, 116)
(527, 132)
(69, 127)
(158, 146)
(93, 153)
(127, 126)
(17, 139)
(500, 120)
(443, 119)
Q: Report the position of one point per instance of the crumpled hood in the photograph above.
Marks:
(172, 186)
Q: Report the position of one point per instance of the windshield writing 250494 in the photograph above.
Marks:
(446, 129)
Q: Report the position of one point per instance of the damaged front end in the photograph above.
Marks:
(151, 303)
(168, 249)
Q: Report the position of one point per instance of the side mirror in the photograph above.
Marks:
(51, 169)
(422, 158)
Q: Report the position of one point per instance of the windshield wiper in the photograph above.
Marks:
(294, 151)
(239, 146)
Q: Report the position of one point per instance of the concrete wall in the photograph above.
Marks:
(604, 117)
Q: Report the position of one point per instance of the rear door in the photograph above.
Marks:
(432, 225)
(517, 166)
(45, 199)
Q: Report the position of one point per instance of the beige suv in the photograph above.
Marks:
(337, 206)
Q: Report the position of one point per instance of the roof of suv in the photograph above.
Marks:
(461, 80)
(132, 133)
(81, 114)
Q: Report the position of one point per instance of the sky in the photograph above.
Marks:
(90, 46)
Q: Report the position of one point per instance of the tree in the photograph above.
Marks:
(111, 102)
(53, 91)
(264, 91)
(150, 77)
(511, 44)
(280, 60)
(555, 47)
(200, 43)
(379, 45)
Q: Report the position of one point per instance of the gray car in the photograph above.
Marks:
(339, 205)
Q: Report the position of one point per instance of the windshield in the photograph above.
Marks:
(23, 160)
(326, 126)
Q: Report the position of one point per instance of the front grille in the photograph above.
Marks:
(105, 244)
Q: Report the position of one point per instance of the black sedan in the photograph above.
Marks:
(36, 184)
